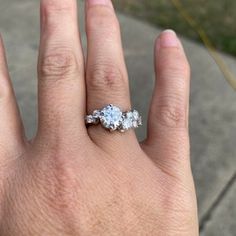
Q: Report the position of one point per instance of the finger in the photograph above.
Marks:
(12, 137)
(168, 139)
(61, 70)
(107, 80)
(106, 74)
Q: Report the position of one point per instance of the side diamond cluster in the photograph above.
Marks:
(131, 119)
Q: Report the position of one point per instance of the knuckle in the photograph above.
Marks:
(171, 112)
(58, 65)
(106, 76)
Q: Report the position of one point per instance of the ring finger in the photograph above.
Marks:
(106, 74)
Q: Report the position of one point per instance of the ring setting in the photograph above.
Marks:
(112, 118)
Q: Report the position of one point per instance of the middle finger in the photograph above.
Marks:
(61, 70)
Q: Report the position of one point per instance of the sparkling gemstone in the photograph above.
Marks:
(90, 119)
(96, 114)
(131, 120)
(127, 122)
(135, 115)
(129, 115)
(140, 122)
(135, 124)
(111, 117)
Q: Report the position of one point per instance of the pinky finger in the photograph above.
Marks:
(168, 138)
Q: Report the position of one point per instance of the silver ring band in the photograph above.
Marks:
(112, 118)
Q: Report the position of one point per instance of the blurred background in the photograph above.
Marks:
(203, 26)
(217, 18)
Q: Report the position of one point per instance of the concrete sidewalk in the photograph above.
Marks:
(212, 114)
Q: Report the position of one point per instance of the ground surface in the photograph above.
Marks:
(212, 114)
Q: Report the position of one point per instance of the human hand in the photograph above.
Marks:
(73, 180)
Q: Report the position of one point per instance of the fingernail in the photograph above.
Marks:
(99, 2)
(168, 38)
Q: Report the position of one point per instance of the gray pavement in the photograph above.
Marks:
(221, 220)
(212, 113)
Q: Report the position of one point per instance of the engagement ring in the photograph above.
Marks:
(112, 118)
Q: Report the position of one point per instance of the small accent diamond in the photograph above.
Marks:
(131, 120)
(127, 122)
(90, 119)
(135, 115)
(96, 114)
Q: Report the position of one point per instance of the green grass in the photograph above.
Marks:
(216, 17)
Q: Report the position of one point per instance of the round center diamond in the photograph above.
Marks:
(111, 117)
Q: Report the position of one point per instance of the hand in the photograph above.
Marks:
(70, 180)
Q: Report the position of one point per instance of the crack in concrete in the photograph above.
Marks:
(208, 216)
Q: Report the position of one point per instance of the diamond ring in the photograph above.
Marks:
(112, 118)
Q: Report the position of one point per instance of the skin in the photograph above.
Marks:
(70, 180)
